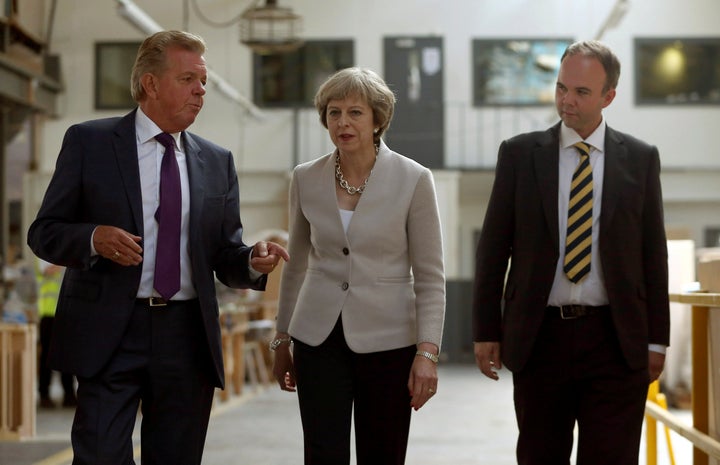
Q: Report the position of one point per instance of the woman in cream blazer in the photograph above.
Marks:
(363, 298)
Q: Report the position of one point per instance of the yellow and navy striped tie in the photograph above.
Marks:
(578, 244)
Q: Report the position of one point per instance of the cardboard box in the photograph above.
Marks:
(708, 272)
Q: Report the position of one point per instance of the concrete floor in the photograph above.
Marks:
(469, 422)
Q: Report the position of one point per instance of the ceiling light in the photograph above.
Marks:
(270, 29)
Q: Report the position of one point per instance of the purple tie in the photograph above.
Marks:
(167, 258)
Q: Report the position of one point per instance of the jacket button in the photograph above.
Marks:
(345, 286)
(346, 251)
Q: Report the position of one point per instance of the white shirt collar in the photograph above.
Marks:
(146, 129)
(568, 137)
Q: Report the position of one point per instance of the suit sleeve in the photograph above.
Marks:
(426, 254)
(655, 257)
(60, 234)
(493, 252)
(232, 258)
(298, 248)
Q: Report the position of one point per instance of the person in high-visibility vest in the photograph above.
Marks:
(49, 277)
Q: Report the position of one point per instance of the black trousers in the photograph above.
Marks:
(331, 380)
(577, 374)
(163, 366)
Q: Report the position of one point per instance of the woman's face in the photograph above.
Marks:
(350, 124)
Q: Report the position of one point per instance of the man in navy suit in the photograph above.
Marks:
(582, 348)
(129, 344)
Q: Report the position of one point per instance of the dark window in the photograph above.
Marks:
(291, 79)
(113, 66)
(712, 236)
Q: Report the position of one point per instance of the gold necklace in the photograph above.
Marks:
(352, 190)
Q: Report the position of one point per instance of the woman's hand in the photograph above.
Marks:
(283, 369)
(423, 377)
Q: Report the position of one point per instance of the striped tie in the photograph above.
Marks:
(578, 244)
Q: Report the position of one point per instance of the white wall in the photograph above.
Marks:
(681, 133)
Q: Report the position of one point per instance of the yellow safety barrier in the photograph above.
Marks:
(703, 349)
(656, 397)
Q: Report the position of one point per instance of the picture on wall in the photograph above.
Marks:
(516, 72)
(677, 71)
(113, 66)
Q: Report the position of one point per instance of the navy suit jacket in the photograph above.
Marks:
(97, 182)
(521, 227)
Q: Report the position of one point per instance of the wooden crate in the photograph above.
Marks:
(18, 362)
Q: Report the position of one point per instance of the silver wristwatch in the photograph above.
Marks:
(432, 357)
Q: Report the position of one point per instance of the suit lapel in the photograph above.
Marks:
(615, 160)
(545, 158)
(125, 148)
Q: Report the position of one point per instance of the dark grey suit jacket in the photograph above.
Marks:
(521, 226)
(97, 182)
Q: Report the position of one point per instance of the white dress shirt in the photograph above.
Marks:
(150, 154)
(591, 290)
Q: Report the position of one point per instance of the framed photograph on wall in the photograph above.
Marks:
(113, 66)
(677, 71)
(516, 72)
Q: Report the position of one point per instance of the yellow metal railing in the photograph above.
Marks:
(656, 399)
(704, 446)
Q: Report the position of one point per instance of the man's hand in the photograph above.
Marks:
(117, 245)
(487, 358)
(656, 361)
(266, 256)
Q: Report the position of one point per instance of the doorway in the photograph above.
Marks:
(414, 72)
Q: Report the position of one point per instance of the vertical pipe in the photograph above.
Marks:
(4, 210)
(296, 136)
(700, 388)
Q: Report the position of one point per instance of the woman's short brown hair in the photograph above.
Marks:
(363, 83)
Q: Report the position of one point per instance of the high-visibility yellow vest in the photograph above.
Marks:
(48, 292)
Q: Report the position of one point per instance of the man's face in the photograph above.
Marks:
(175, 97)
(579, 96)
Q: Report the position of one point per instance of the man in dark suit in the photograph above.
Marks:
(130, 340)
(583, 342)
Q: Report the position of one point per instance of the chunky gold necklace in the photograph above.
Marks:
(352, 190)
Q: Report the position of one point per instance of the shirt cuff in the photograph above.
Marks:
(93, 252)
(659, 348)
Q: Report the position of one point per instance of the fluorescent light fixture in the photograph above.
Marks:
(138, 17)
(614, 18)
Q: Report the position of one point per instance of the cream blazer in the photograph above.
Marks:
(385, 277)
